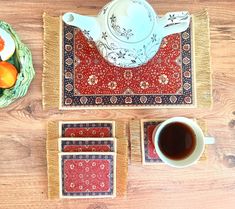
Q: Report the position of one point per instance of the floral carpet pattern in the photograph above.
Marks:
(89, 175)
(89, 81)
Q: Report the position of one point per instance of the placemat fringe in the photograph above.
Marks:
(51, 61)
(201, 40)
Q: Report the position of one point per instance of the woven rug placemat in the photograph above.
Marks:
(76, 76)
(142, 148)
(92, 129)
(87, 174)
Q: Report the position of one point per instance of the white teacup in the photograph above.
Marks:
(200, 141)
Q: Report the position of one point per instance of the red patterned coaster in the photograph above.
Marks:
(88, 81)
(149, 155)
(87, 145)
(87, 129)
(87, 175)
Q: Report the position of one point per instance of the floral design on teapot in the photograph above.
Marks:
(128, 33)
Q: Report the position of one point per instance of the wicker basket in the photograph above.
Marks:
(26, 70)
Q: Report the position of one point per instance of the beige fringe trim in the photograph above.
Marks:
(51, 62)
(202, 65)
(203, 125)
(52, 159)
(122, 158)
(135, 139)
(135, 136)
(53, 162)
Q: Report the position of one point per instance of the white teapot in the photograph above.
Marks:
(128, 33)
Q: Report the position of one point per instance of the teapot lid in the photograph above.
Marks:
(131, 21)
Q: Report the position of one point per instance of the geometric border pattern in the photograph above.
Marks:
(87, 124)
(108, 142)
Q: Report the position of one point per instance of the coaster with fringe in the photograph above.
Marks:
(142, 148)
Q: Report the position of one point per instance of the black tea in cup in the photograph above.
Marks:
(177, 141)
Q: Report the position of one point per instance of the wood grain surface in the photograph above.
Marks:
(210, 184)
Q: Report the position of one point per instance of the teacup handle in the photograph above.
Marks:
(209, 140)
(174, 22)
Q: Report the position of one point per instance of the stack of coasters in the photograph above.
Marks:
(86, 160)
(142, 147)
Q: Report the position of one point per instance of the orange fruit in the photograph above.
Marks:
(8, 75)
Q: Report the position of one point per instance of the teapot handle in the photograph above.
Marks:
(174, 22)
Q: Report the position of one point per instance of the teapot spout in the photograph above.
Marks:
(89, 25)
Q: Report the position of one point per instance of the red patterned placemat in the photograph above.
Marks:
(75, 76)
(178, 75)
(89, 81)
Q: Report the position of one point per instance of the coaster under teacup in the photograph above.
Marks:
(142, 148)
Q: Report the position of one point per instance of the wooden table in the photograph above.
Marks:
(23, 172)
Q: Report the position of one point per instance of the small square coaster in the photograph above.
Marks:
(149, 155)
(87, 175)
(87, 129)
(87, 144)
